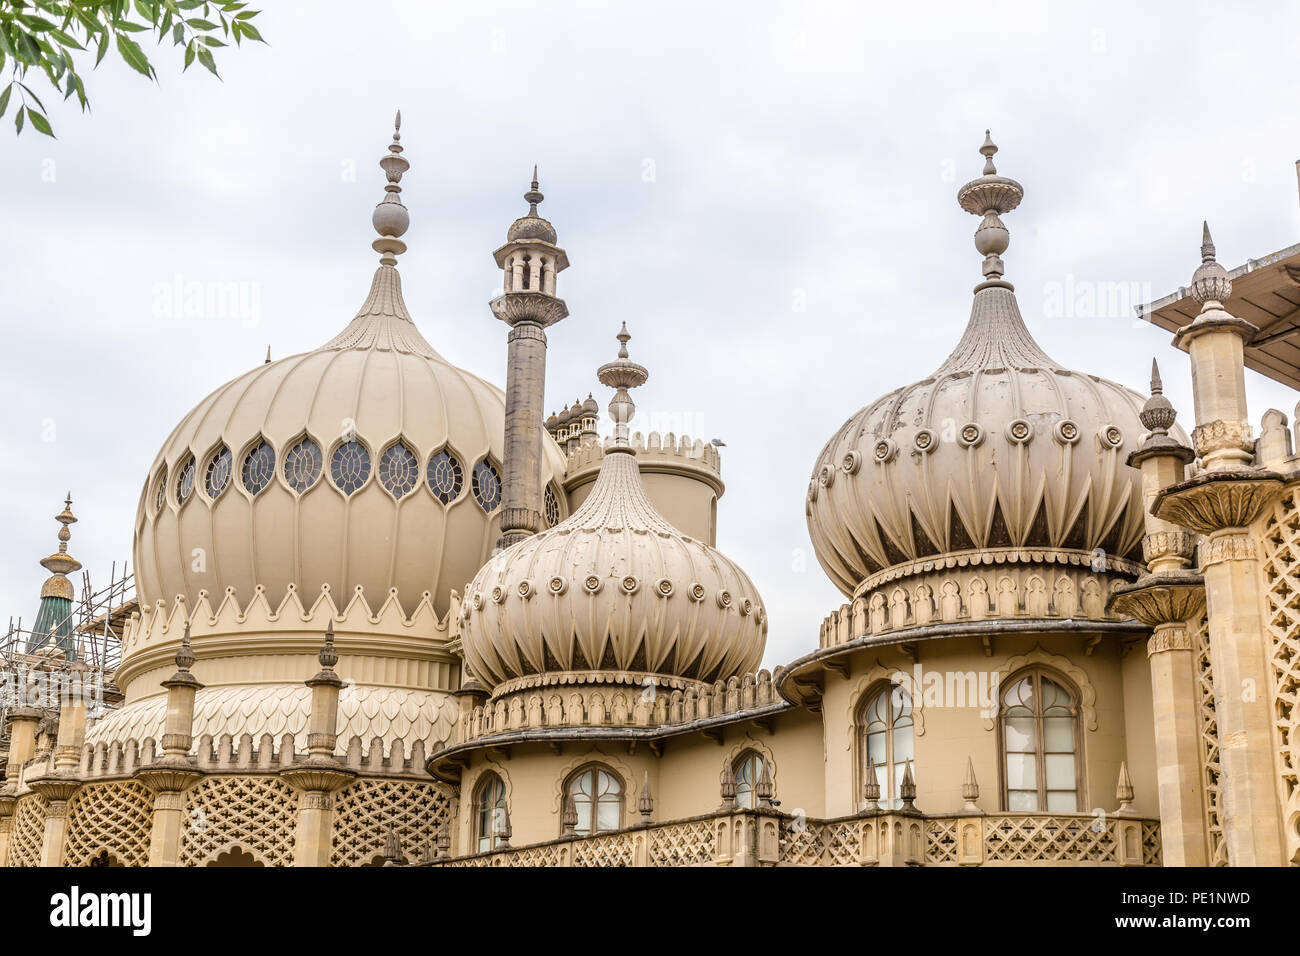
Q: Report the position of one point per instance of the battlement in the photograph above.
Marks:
(656, 453)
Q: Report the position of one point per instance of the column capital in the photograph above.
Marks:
(1216, 500)
(1230, 544)
(1169, 637)
(533, 308)
(1155, 599)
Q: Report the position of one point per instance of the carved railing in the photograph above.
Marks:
(765, 837)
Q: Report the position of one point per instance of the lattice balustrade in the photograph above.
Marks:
(1151, 844)
(941, 841)
(28, 831)
(682, 844)
(258, 814)
(801, 841)
(365, 810)
(1209, 748)
(614, 849)
(117, 817)
(1281, 569)
(1049, 839)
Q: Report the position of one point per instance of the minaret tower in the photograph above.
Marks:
(530, 260)
(54, 619)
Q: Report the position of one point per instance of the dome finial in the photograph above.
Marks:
(622, 375)
(533, 196)
(1211, 284)
(1157, 386)
(390, 217)
(1158, 414)
(1207, 243)
(991, 196)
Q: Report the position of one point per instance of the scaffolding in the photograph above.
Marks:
(98, 620)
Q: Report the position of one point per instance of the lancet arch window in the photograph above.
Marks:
(302, 465)
(399, 470)
(597, 795)
(747, 770)
(489, 812)
(350, 466)
(216, 476)
(446, 476)
(160, 491)
(486, 485)
(552, 505)
(258, 467)
(1038, 730)
(886, 732)
(185, 481)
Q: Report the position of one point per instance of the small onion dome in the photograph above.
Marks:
(1001, 447)
(614, 587)
(564, 418)
(575, 412)
(532, 226)
(552, 423)
(591, 407)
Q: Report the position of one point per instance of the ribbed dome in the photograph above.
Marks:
(354, 464)
(531, 227)
(1001, 447)
(614, 587)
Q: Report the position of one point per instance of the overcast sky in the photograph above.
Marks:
(764, 192)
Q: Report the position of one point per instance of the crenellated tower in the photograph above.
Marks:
(530, 261)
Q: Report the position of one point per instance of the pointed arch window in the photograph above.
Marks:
(486, 485)
(216, 476)
(350, 466)
(597, 794)
(446, 476)
(747, 770)
(552, 507)
(399, 470)
(258, 467)
(1038, 728)
(302, 465)
(885, 729)
(489, 812)
(160, 492)
(185, 481)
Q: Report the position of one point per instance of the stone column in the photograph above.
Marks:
(58, 787)
(22, 744)
(321, 773)
(175, 772)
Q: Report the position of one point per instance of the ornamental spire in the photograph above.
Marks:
(390, 217)
(54, 618)
(533, 196)
(622, 375)
(991, 196)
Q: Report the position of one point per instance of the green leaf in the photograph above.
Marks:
(102, 48)
(246, 14)
(134, 56)
(189, 56)
(212, 41)
(18, 118)
(205, 57)
(66, 39)
(250, 31)
(4, 98)
(204, 25)
(28, 90)
(41, 123)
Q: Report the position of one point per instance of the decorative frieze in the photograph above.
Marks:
(1215, 500)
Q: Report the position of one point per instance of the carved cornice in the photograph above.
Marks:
(1169, 637)
(1164, 544)
(55, 787)
(324, 776)
(1228, 546)
(1161, 598)
(538, 307)
(1215, 500)
(169, 775)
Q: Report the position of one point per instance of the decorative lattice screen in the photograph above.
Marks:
(116, 817)
(1209, 748)
(1281, 567)
(257, 814)
(365, 810)
(28, 831)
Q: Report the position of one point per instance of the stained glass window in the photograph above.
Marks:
(399, 470)
(350, 466)
(486, 483)
(185, 483)
(258, 467)
(446, 477)
(302, 465)
(552, 508)
(598, 797)
(217, 475)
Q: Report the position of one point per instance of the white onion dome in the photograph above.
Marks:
(1001, 447)
(614, 587)
(370, 461)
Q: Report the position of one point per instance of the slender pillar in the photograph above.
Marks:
(58, 787)
(175, 771)
(321, 773)
(530, 261)
(1222, 502)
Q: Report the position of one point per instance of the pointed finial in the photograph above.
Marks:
(1207, 242)
(569, 817)
(393, 847)
(1157, 387)
(184, 654)
(328, 656)
(727, 787)
(1124, 790)
(991, 196)
(390, 217)
(533, 196)
(907, 788)
(1211, 285)
(645, 803)
(268, 354)
(970, 788)
(622, 375)
(871, 788)
(764, 788)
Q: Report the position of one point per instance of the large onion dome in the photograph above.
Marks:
(369, 461)
(1001, 448)
(613, 588)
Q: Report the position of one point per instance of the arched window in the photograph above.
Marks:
(235, 856)
(350, 466)
(185, 483)
(258, 467)
(489, 812)
(399, 470)
(486, 484)
(885, 729)
(597, 794)
(1040, 748)
(217, 474)
(302, 465)
(747, 770)
(446, 476)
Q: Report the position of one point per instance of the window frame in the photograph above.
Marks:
(1037, 673)
(759, 760)
(487, 781)
(593, 767)
(890, 798)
